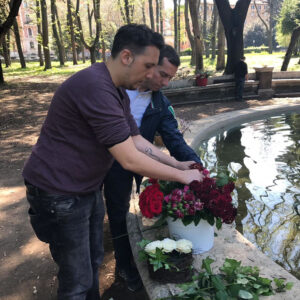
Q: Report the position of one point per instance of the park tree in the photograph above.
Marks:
(19, 44)
(57, 34)
(71, 26)
(255, 36)
(233, 20)
(126, 9)
(188, 31)
(289, 24)
(45, 35)
(157, 15)
(205, 29)
(221, 47)
(7, 18)
(178, 27)
(175, 17)
(213, 26)
(273, 9)
(91, 45)
(6, 49)
(151, 14)
(197, 34)
(161, 17)
(39, 31)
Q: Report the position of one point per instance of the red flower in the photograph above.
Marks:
(197, 166)
(151, 201)
(229, 187)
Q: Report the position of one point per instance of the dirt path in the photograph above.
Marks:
(27, 270)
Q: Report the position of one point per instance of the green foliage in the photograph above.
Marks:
(158, 259)
(234, 282)
(289, 17)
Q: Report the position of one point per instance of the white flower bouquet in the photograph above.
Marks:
(168, 260)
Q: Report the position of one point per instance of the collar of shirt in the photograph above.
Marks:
(139, 102)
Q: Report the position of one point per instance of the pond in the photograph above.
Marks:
(264, 156)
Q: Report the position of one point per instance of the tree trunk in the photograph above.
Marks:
(72, 34)
(175, 25)
(59, 43)
(19, 45)
(161, 17)
(60, 33)
(197, 35)
(1, 73)
(294, 38)
(5, 26)
(157, 15)
(151, 14)
(205, 35)
(82, 53)
(45, 35)
(178, 30)
(188, 31)
(233, 20)
(143, 12)
(6, 56)
(221, 47)
(271, 25)
(213, 31)
(268, 27)
(102, 42)
(126, 4)
(39, 38)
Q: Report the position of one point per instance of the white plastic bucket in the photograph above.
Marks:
(202, 235)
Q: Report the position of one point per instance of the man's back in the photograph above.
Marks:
(241, 69)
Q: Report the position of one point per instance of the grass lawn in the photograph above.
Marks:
(253, 60)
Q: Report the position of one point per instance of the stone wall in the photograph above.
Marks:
(222, 88)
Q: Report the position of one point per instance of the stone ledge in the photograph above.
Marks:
(228, 244)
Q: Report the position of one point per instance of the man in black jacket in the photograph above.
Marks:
(240, 74)
(153, 113)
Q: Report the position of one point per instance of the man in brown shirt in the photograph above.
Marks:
(88, 123)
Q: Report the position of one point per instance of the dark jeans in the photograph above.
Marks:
(72, 225)
(239, 88)
(117, 192)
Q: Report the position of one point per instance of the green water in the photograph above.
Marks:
(264, 155)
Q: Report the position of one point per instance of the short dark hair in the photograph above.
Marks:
(170, 53)
(135, 37)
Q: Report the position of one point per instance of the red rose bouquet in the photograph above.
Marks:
(209, 200)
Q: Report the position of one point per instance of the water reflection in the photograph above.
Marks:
(265, 157)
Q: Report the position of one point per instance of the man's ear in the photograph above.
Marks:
(126, 57)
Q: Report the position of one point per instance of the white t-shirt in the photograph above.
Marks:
(139, 101)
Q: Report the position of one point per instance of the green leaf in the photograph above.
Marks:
(221, 295)
(222, 179)
(187, 220)
(256, 286)
(218, 223)
(289, 285)
(234, 290)
(245, 294)
(197, 218)
(160, 222)
(242, 281)
(206, 264)
(217, 282)
(143, 243)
